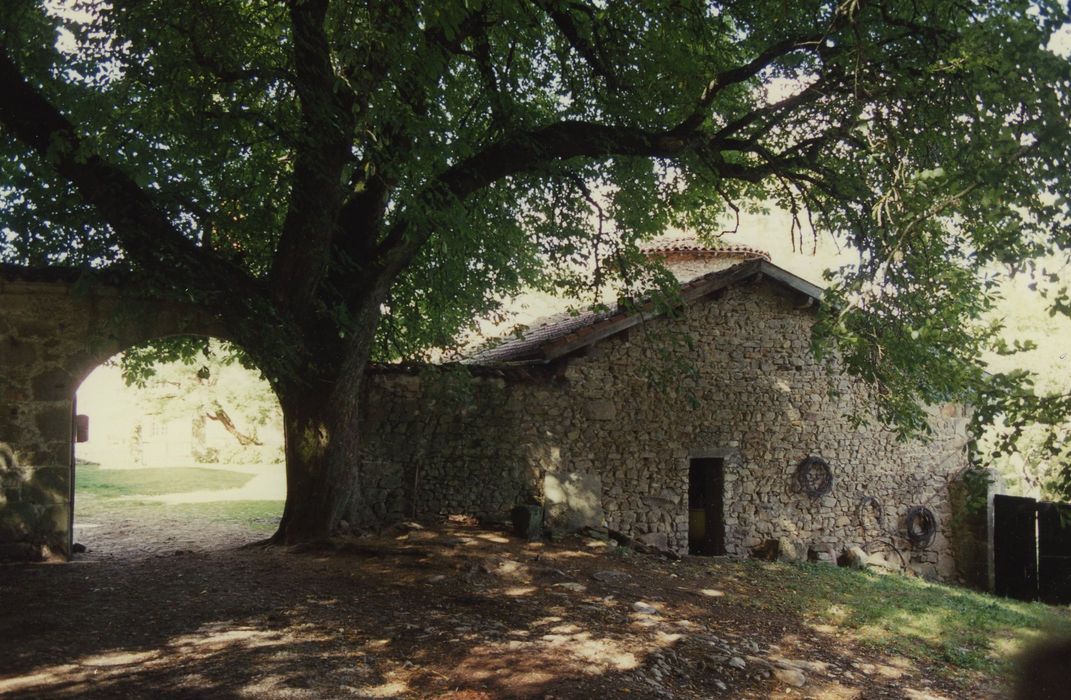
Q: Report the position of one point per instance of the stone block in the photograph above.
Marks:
(527, 521)
(659, 540)
(12, 478)
(601, 409)
(572, 500)
(53, 385)
(854, 557)
(48, 485)
(880, 563)
(791, 549)
(16, 353)
(925, 570)
(19, 520)
(20, 551)
(784, 549)
(822, 553)
(56, 422)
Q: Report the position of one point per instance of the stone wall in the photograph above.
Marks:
(607, 437)
(604, 437)
(53, 333)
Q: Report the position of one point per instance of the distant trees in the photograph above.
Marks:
(209, 386)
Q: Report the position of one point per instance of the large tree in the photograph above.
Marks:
(337, 180)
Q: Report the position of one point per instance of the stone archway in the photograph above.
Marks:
(55, 328)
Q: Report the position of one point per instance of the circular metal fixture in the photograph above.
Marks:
(814, 477)
(921, 526)
(872, 505)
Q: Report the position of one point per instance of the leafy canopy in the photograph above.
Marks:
(334, 169)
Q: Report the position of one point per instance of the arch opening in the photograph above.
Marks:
(175, 456)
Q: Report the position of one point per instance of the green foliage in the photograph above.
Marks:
(139, 364)
(189, 378)
(1022, 425)
(339, 180)
(1026, 434)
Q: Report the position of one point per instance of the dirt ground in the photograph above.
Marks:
(447, 610)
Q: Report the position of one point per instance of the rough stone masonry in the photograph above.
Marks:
(55, 328)
(605, 436)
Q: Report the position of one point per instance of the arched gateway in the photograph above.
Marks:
(55, 328)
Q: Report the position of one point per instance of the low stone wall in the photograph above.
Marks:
(440, 442)
(607, 437)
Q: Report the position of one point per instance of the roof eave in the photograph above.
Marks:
(690, 292)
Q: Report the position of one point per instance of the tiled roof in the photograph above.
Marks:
(540, 332)
(692, 246)
(554, 336)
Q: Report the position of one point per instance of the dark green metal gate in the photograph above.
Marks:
(1032, 549)
(1015, 547)
(1054, 552)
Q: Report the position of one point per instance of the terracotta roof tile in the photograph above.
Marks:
(540, 331)
(694, 247)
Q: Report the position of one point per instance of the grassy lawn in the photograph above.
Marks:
(961, 630)
(101, 493)
(91, 479)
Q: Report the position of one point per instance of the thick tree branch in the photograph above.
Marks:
(146, 235)
(302, 256)
(499, 103)
(561, 14)
(741, 73)
(362, 213)
(220, 414)
(530, 151)
(777, 111)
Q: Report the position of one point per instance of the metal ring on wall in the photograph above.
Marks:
(814, 477)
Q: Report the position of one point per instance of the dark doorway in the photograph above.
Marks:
(1015, 548)
(706, 506)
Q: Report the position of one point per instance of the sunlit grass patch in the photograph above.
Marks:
(258, 515)
(106, 493)
(923, 621)
(113, 483)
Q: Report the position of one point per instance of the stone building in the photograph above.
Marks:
(686, 430)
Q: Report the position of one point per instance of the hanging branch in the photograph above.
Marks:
(732, 205)
(223, 418)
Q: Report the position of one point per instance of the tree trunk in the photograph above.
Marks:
(321, 415)
(322, 462)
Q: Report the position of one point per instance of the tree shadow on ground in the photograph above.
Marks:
(455, 612)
